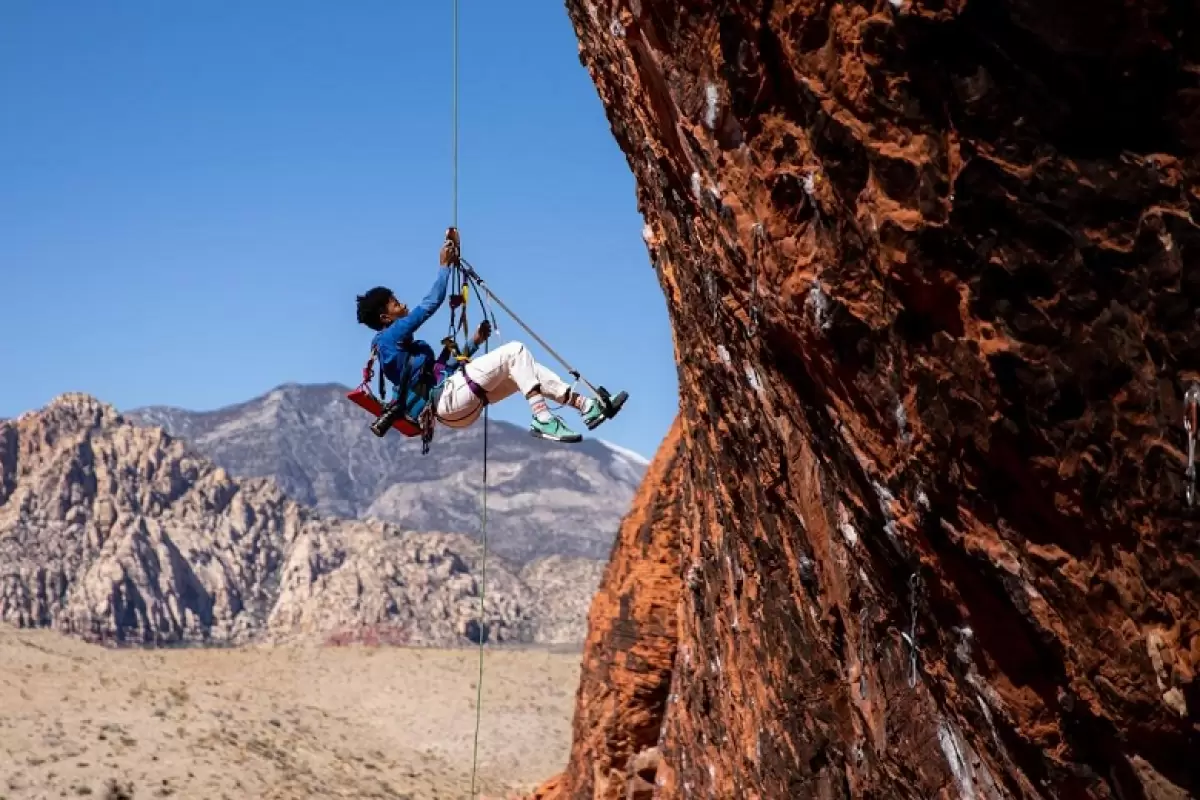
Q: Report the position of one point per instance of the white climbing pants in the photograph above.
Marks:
(501, 373)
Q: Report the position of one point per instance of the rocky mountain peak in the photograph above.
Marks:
(73, 414)
(123, 533)
(544, 499)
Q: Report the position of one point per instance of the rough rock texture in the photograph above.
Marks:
(543, 499)
(562, 591)
(119, 533)
(632, 628)
(933, 271)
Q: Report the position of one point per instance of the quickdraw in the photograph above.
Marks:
(1191, 409)
(914, 653)
(758, 237)
(458, 314)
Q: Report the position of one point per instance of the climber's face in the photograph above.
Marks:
(394, 310)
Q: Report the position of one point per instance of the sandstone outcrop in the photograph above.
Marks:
(562, 591)
(933, 270)
(630, 649)
(120, 534)
(544, 499)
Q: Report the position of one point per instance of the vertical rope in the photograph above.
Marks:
(482, 596)
(454, 127)
(482, 628)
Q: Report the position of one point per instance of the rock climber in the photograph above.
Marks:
(454, 396)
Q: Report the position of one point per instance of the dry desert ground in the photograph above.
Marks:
(78, 720)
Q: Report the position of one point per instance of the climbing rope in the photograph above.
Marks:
(454, 125)
(482, 594)
(464, 282)
(487, 315)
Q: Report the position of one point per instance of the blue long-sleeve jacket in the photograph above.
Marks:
(401, 357)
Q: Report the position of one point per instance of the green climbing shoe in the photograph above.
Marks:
(596, 413)
(555, 430)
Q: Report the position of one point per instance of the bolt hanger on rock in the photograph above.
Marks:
(914, 588)
(1191, 409)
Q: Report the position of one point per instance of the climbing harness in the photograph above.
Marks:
(393, 415)
(1191, 408)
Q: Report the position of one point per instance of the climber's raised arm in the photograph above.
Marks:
(380, 311)
(406, 325)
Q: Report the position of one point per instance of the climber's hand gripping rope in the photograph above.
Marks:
(450, 255)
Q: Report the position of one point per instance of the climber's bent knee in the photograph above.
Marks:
(511, 349)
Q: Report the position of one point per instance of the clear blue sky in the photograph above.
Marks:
(192, 194)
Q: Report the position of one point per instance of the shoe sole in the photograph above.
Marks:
(615, 403)
(549, 438)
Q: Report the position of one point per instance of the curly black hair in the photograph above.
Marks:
(371, 306)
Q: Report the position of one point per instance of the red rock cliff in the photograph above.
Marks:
(934, 273)
(630, 649)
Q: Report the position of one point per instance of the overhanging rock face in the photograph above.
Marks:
(632, 636)
(934, 272)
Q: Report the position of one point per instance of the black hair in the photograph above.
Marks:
(371, 306)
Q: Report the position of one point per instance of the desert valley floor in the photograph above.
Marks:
(77, 720)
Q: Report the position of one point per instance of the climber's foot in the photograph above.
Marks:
(597, 412)
(594, 416)
(553, 429)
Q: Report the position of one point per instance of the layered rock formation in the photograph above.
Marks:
(562, 591)
(543, 499)
(630, 649)
(119, 533)
(933, 270)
